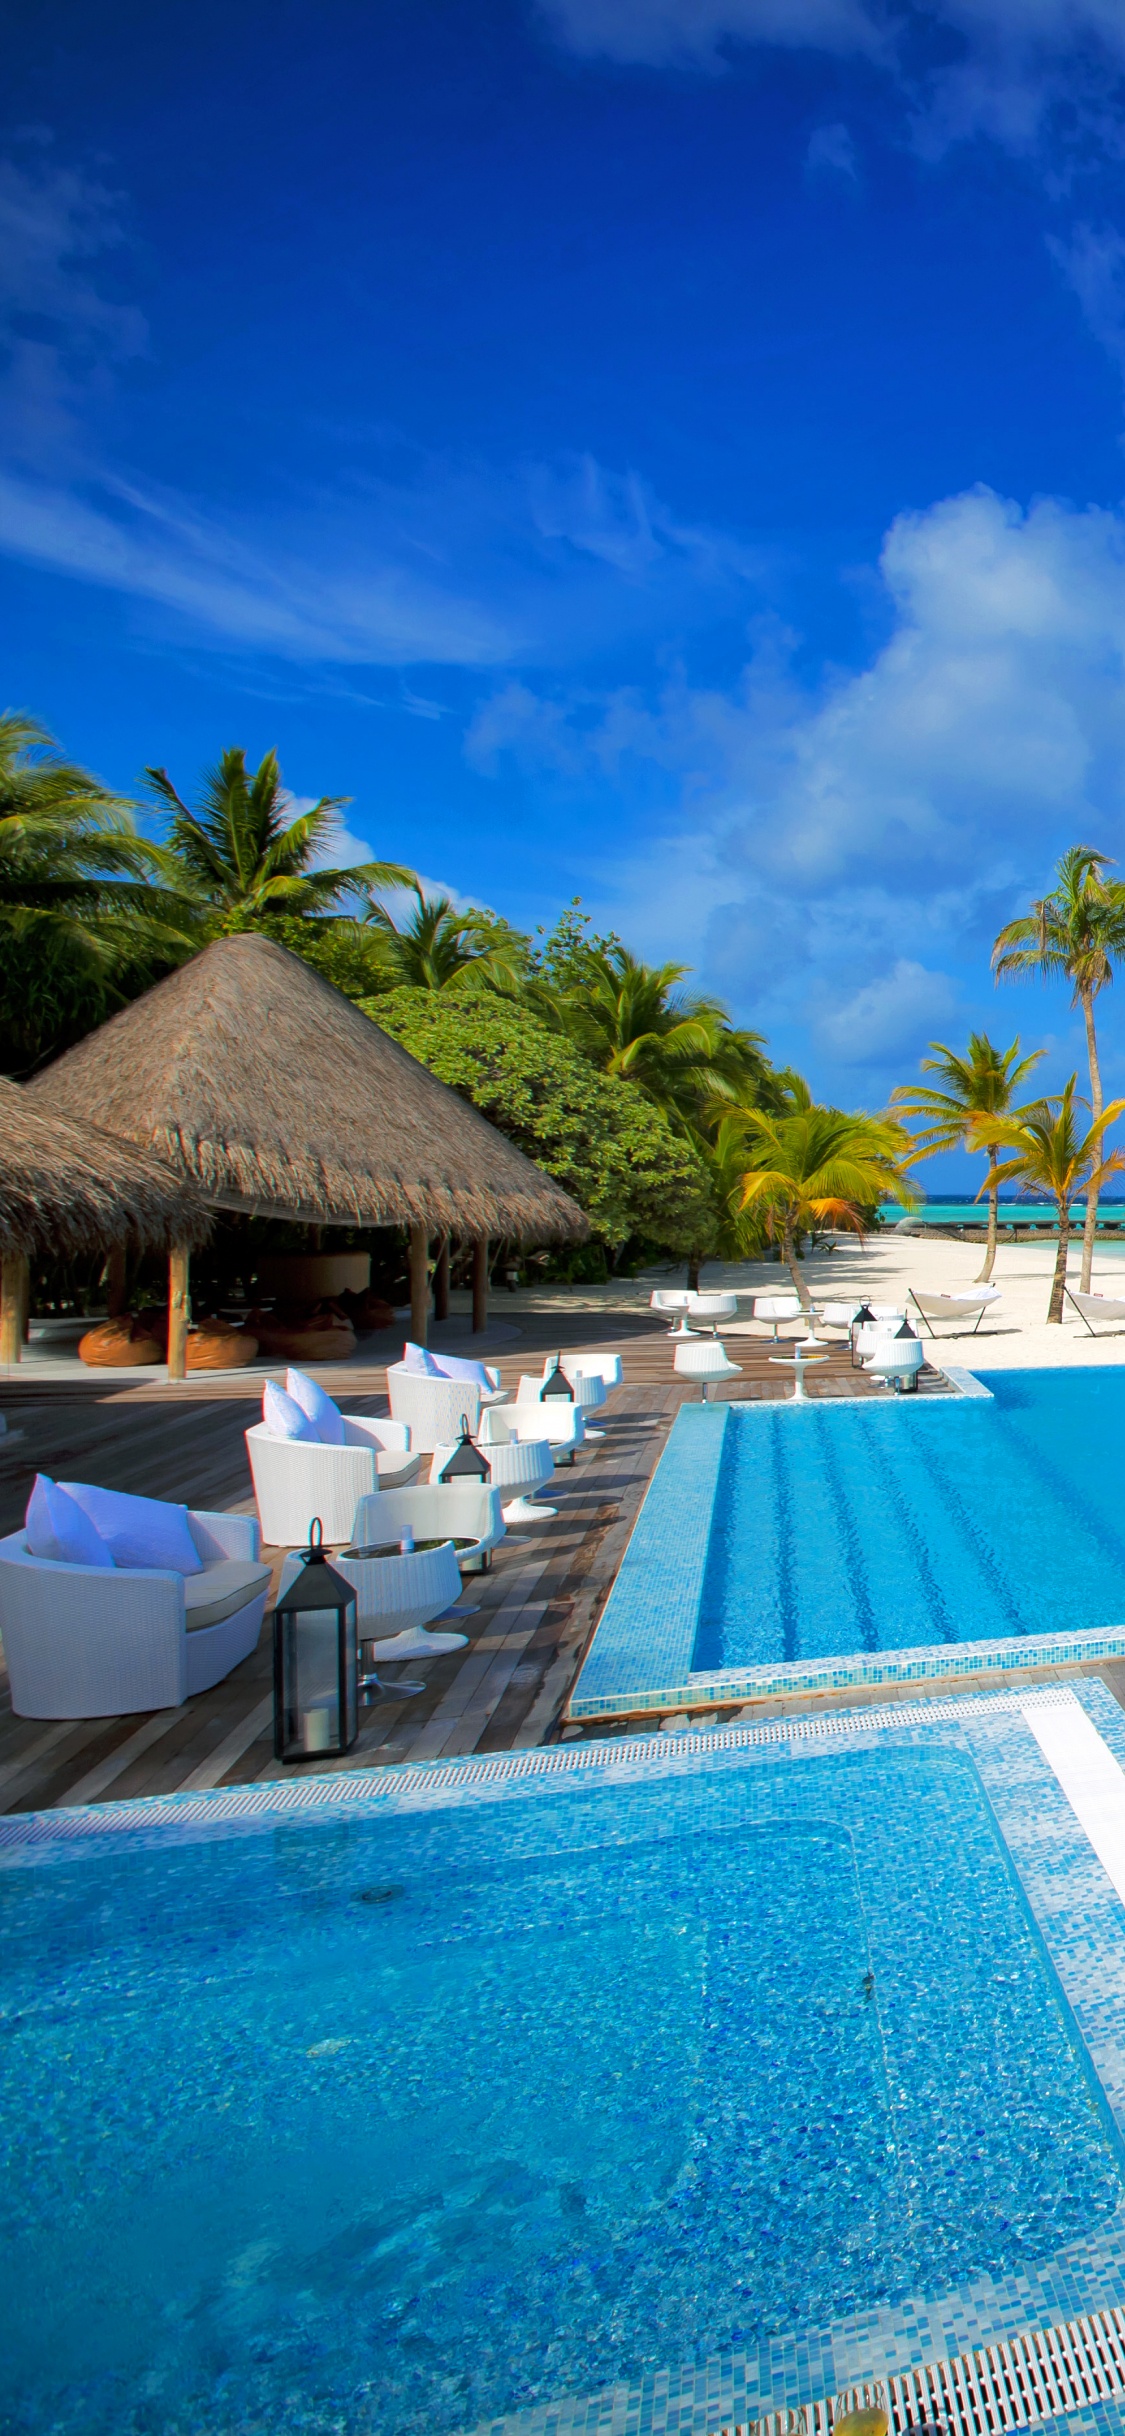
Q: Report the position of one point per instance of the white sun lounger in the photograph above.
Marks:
(962, 1307)
(1092, 1307)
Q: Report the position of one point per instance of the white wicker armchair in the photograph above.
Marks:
(85, 1642)
(432, 1408)
(295, 1479)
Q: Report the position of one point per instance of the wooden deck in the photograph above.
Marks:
(505, 1691)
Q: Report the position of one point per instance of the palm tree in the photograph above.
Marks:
(78, 907)
(1052, 1154)
(978, 1085)
(810, 1166)
(238, 860)
(1072, 934)
(634, 1020)
(438, 945)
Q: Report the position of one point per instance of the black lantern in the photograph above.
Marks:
(558, 1385)
(466, 1462)
(864, 1318)
(315, 1661)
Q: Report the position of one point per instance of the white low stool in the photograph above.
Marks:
(397, 1595)
(523, 1464)
(897, 1360)
(776, 1307)
(603, 1366)
(708, 1310)
(588, 1389)
(705, 1361)
(674, 1305)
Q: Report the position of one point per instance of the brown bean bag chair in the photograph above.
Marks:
(324, 1334)
(367, 1311)
(216, 1344)
(121, 1344)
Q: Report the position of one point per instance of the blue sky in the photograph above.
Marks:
(668, 451)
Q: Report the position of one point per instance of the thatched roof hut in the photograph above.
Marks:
(66, 1186)
(256, 1078)
(265, 1086)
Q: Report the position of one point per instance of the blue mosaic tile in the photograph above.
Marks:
(650, 1620)
(822, 1548)
(583, 1799)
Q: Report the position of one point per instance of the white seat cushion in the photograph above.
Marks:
(220, 1590)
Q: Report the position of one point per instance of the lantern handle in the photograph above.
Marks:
(316, 1555)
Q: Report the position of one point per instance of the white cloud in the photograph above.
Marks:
(369, 572)
(1002, 68)
(700, 32)
(831, 148)
(1093, 261)
(328, 602)
(887, 1017)
(842, 857)
(58, 334)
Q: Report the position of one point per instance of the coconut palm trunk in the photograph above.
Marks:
(789, 1256)
(1090, 1229)
(993, 1222)
(1058, 1282)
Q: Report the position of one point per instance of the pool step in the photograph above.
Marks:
(1012, 2384)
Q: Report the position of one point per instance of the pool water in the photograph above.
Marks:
(396, 2124)
(879, 1527)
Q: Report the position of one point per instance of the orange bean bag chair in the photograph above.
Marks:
(367, 1311)
(324, 1334)
(121, 1344)
(216, 1344)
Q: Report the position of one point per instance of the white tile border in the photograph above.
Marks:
(1091, 1778)
(427, 1784)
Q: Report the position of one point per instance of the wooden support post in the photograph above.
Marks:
(480, 1285)
(419, 1283)
(15, 1284)
(179, 1309)
(441, 1281)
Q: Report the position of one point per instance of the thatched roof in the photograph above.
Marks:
(255, 1077)
(67, 1187)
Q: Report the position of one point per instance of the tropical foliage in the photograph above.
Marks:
(636, 1021)
(643, 1187)
(243, 856)
(83, 924)
(810, 1167)
(1052, 1152)
(1074, 934)
(664, 1118)
(437, 945)
(979, 1087)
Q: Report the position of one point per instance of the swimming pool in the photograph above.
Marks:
(405, 2122)
(862, 1541)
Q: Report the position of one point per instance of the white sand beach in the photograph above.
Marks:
(1014, 1334)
